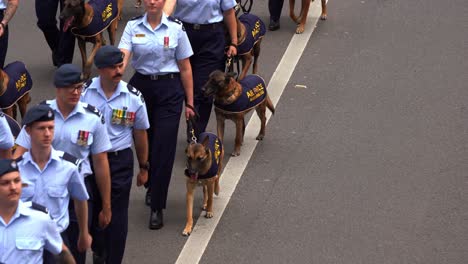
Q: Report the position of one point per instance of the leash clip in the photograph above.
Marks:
(194, 138)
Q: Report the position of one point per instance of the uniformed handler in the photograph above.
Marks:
(51, 177)
(26, 228)
(161, 52)
(62, 44)
(6, 137)
(80, 131)
(124, 109)
(205, 23)
(7, 10)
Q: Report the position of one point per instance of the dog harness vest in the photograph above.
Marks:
(254, 29)
(215, 147)
(253, 93)
(20, 83)
(104, 13)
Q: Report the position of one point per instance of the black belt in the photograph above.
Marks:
(202, 26)
(155, 77)
(118, 152)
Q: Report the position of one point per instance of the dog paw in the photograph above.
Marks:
(187, 231)
(209, 215)
(300, 29)
(204, 207)
(323, 17)
(260, 137)
(235, 154)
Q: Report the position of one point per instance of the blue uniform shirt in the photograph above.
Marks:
(53, 185)
(156, 51)
(6, 138)
(28, 233)
(3, 4)
(202, 11)
(81, 134)
(124, 111)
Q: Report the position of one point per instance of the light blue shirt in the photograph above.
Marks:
(68, 134)
(28, 233)
(202, 11)
(3, 4)
(6, 138)
(53, 185)
(156, 51)
(124, 111)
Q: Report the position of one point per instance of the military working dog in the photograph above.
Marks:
(15, 84)
(204, 166)
(87, 21)
(234, 99)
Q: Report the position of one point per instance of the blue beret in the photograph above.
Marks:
(7, 165)
(38, 113)
(66, 75)
(108, 56)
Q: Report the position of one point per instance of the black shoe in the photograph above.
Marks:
(98, 259)
(148, 197)
(274, 25)
(156, 219)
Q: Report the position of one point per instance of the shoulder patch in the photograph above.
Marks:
(71, 158)
(137, 17)
(95, 111)
(39, 207)
(173, 19)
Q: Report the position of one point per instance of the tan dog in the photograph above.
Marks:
(250, 31)
(301, 19)
(235, 99)
(87, 22)
(204, 166)
(15, 84)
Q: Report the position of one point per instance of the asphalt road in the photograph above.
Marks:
(365, 165)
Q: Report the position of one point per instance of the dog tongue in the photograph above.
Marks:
(68, 23)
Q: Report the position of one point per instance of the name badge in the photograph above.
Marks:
(139, 35)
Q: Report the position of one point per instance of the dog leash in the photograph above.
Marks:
(230, 67)
(243, 6)
(191, 125)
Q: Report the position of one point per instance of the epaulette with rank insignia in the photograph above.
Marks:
(87, 84)
(39, 207)
(137, 17)
(45, 102)
(173, 19)
(71, 158)
(2, 114)
(95, 111)
(135, 91)
(19, 159)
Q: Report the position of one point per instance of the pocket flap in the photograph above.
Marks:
(28, 243)
(57, 191)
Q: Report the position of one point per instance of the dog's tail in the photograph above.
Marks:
(270, 105)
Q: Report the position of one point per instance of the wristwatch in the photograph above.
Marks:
(145, 166)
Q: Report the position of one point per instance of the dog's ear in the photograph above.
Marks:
(230, 75)
(205, 142)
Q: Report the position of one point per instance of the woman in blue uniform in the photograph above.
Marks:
(204, 22)
(160, 52)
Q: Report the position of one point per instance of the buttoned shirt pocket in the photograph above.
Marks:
(58, 196)
(27, 192)
(30, 248)
(82, 138)
(169, 45)
(141, 45)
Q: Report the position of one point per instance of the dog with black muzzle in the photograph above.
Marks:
(87, 21)
(204, 166)
(233, 100)
(15, 84)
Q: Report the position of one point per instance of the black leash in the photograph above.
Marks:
(192, 125)
(243, 5)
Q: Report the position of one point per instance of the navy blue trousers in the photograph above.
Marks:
(62, 44)
(3, 43)
(110, 242)
(164, 100)
(208, 47)
(275, 6)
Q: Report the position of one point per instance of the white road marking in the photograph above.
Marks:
(197, 242)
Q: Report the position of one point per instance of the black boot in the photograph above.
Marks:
(156, 219)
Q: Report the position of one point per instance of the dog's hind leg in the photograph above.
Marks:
(324, 10)
(256, 54)
(261, 112)
(246, 62)
(291, 11)
(111, 31)
(303, 17)
(82, 46)
(220, 125)
(189, 204)
(269, 104)
(23, 104)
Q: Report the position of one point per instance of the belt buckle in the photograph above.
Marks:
(196, 26)
(154, 77)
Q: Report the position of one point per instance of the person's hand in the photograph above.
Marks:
(84, 241)
(232, 51)
(189, 113)
(105, 217)
(142, 177)
(2, 29)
